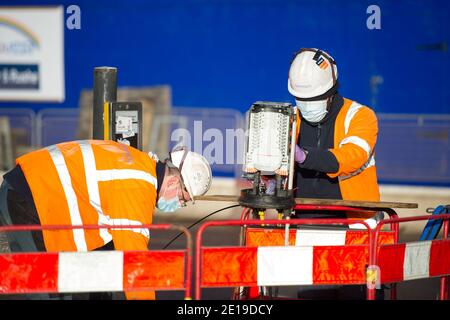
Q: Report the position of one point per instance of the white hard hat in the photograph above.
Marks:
(312, 74)
(195, 171)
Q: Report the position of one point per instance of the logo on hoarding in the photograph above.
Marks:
(373, 22)
(19, 76)
(73, 21)
(16, 38)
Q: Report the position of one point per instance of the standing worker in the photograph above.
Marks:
(95, 182)
(336, 137)
(335, 151)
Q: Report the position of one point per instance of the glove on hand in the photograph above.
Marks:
(270, 184)
(300, 155)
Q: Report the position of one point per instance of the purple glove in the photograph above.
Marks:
(300, 155)
(271, 185)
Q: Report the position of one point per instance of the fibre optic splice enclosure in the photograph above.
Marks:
(268, 156)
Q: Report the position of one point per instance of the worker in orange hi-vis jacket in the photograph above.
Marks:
(336, 138)
(96, 182)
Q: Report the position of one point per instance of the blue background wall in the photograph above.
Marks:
(231, 53)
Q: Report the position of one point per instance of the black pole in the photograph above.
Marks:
(105, 90)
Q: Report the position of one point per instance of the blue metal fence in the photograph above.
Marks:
(56, 125)
(218, 134)
(22, 124)
(414, 149)
(411, 149)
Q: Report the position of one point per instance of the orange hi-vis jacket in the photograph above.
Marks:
(355, 135)
(92, 182)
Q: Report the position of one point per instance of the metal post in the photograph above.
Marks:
(105, 90)
(293, 141)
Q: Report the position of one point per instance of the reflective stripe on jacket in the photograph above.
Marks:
(355, 135)
(92, 183)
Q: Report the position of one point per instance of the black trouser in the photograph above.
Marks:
(16, 210)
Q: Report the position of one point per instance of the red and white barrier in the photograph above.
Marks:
(92, 271)
(308, 265)
(312, 237)
(281, 265)
(414, 260)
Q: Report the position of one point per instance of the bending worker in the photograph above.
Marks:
(96, 182)
(336, 137)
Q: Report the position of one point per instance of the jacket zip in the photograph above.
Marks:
(316, 180)
(319, 127)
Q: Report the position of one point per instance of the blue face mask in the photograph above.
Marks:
(170, 205)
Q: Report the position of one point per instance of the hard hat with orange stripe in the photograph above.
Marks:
(312, 75)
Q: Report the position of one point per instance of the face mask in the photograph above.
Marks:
(170, 205)
(313, 111)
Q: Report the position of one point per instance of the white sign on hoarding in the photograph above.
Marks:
(32, 54)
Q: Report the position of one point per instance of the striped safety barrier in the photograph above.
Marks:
(307, 237)
(354, 235)
(273, 265)
(283, 265)
(311, 237)
(96, 271)
(320, 257)
(414, 260)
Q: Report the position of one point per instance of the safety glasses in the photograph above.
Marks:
(183, 194)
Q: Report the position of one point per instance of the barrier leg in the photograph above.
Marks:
(448, 288)
(395, 227)
(240, 293)
(443, 294)
(444, 290)
(250, 293)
